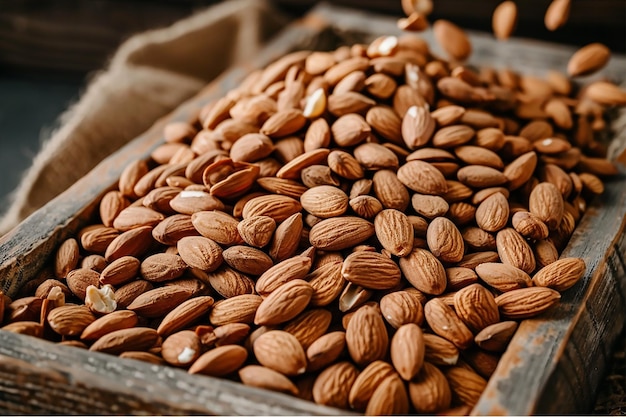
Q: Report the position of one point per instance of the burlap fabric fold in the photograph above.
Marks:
(148, 76)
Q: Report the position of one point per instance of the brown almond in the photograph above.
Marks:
(340, 233)
(134, 242)
(117, 320)
(371, 270)
(389, 398)
(496, 337)
(424, 271)
(327, 283)
(162, 267)
(325, 350)
(185, 314)
(546, 202)
(280, 351)
(324, 201)
(504, 19)
(332, 385)
(284, 303)
(366, 383)
(526, 302)
(66, 258)
(429, 391)
(452, 39)
(446, 323)
(247, 260)
(70, 320)
(262, 377)
(133, 339)
(561, 274)
(159, 301)
(422, 177)
(366, 336)
(514, 250)
(407, 350)
(476, 306)
(220, 361)
(296, 267)
(445, 240)
(238, 309)
(230, 283)
(394, 232)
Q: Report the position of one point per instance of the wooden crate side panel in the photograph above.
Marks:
(554, 363)
(39, 377)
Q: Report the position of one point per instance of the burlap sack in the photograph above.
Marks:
(150, 75)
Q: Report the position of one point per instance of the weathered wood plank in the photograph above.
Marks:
(39, 377)
(555, 363)
(551, 366)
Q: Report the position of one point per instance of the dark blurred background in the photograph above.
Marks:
(49, 48)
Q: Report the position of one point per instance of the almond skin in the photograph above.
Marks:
(366, 383)
(332, 386)
(284, 303)
(504, 19)
(117, 320)
(280, 351)
(446, 323)
(445, 240)
(424, 271)
(394, 232)
(325, 350)
(116, 342)
(262, 377)
(366, 336)
(389, 398)
(526, 302)
(407, 350)
(220, 361)
(429, 391)
(371, 270)
(561, 274)
(340, 233)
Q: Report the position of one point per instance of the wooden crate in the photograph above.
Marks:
(553, 365)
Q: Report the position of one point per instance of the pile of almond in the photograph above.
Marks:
(363, 228)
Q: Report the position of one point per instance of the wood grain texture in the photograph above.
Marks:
(552, 366)
(38, 377)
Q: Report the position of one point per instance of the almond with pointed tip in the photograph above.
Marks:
(332, 385)
(280, 351)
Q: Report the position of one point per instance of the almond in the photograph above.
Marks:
(185, 314)
(446, 323)
(296, 267)
(174, 228)
(325, 350)
(452, 39)
(422, 177)
(66, 258)
(159, 301)
(217, 226)
(257, 231)
(340, 233)
(445, 240)
(429, 391)
(238, 309)
(118, 341)
(526, 302)
(476, 306)
(200, 252)
(496, 337)
(284, 303)
(366, 383)
(70, 320)
(424, 271)
(79, 279)
(332, 386)
(181, 348)
(120, 271)
(466, 385)
(280, 351)
(117, 320)
(327, 283)
(390, 191)
(162, 267)
(247, 260)
(389, 398)
(134, 242)
(514, 250)
(350, 130)
(371, 270)
(394, 232)
(324, 201)
(366, 336)
(546, 202)
(561, 274)
(277, 207)
(230, 283)
(503, 277)
(407, 350)
(309, 326)
(262, 377)
(127, 293)
(220, 361)
(440, 351)
(504, 19)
